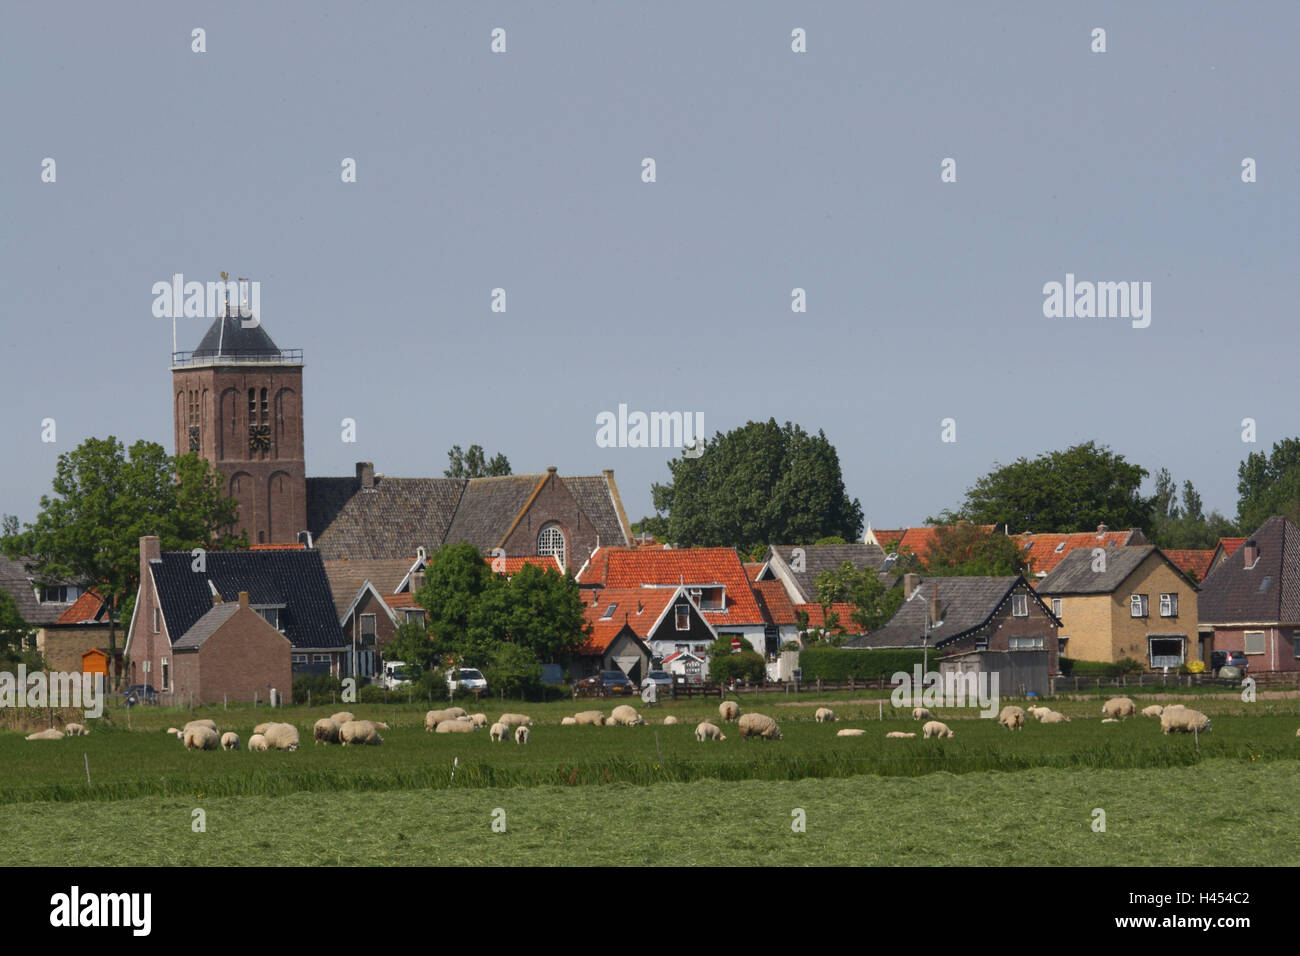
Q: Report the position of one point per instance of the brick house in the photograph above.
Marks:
(624, 621)
(1124, 602)
(230, 653)
(1250, 600)
(372, 599)
(797, 568)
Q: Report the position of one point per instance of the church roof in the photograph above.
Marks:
(227, 336)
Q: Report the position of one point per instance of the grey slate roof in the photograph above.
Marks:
(827, 557)
(234, 339)
(294, 579)
(488, 507)
(965, 603)
(1074, 573)
(205, 627)
(346, 578)
(595, 497)
(19, 585)
(1268, 593)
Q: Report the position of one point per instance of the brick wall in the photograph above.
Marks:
(1004, 626)
(555, 504)
(242, 660)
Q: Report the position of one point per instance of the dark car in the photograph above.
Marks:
(1222, 659)
(609, 682)
(140, 694)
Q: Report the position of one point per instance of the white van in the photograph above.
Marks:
(395, 675)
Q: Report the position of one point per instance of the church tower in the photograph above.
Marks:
(238, 403)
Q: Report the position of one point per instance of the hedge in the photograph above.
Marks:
(839, 664)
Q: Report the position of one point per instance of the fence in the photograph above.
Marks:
(1060, 684)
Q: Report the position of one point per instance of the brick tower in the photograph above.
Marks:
(239, 405)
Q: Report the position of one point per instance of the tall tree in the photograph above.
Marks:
(1186, 526)
(455, 578)
(874, 604)
(473, 463)
(538, 609)
(1269, 485)
(757, 484)
(964, 549)
(15, 634)
(1071, 490)
(105, 499)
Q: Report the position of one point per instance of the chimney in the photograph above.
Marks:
(1250, 552)
(1102, 529)
(150, 550)
(366, 474)
(910, 583)
(608, 473)
(551, 469)
(935, 616)
(243, 600)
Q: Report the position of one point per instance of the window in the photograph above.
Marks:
(320, 658)
(609, 612)
(157, 619)
(1254, 642)
(271, 615)
(1169, 605)
(683, 614)
(711, 599)
(1137, 605)
(1056, 606)
(1166, 651)
(59, 594)
(550, 542)
(164, 674)
(368, 628)
(299, 658)
(1025, 643)
(415, 616)
(1060, 547)
(981, 643)
(1020, 605)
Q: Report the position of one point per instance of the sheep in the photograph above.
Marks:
(499, 732)
(379, 725)
(848, 732)
(51, 734)
(568, 722)
(454, 712)
(258, 742)
(920, 713)
(342, 717)
(1038, 712)
(729, 710)
(1175, 707)
(824, 715)
(230, 740)
(478, 720)
(707, 731)
(1297, 733)
(261, 728)
(1109, 720)
(1119, 707)
(282, 736)
(759, 725)
(326, 731)
(1155, 710)
(515, 720)
(434, 717)
(205, 722)
(669, 720)
(590, 717)
(898, 735)
(75, 730)
(1184, 721)
(176, 732)
(362, 732)
(201, 738)
(1053, 717)
(935, 728)
(1012, 718)
(625, 716)
(521, 735)
(456, 726)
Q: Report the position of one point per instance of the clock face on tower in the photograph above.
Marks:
(194, 438)
(259, 438)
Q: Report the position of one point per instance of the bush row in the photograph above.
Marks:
(839, 664)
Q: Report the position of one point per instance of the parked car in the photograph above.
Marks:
(140, 694)
(608, 682)
(395, 675)
(467, 678)
(1233, 659)
(662, 678)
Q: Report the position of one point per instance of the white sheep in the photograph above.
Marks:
(258, 742)
(75, 730)
(456, 726)
(230, 740)
(590, 717)
(176, 732)
(1012, 718)
(360, 732)
(759, 725)
(669, 720)
(1054, 717)
(205, 722)
(625, 716)
(326, 731)
(1119, 707)
(201, 738)
(850, 732)
(899, 735)
(824, 715)
(282, 736)
(920, 713)
(729, 710)
(515, 720)
(478, 720)
(1109, 720)
(936, 728)
(1154, 710)
(499, 732)
(1038, 712)
(707, 731)
(51, 734)
(454, 712)
(342, 717)
(434, 717)
(1184, 721)
(261, 728)
(521, 735)
(568, 722)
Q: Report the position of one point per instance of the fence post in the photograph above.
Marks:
(851, 687)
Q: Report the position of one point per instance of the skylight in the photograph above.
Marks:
(1263, 585)
(609, 611)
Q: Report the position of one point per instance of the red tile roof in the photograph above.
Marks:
(512, 565)
(1046, 551)
(277, 547)
(817, 619)
(752, 568)
(774, 602)
(405, 599)
(1230, 545)
(920, 540)
(886, 538)
(1193, 562)
(83, 610)
(638, 607)
(628, 568)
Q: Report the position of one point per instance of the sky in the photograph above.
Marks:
(774, 170)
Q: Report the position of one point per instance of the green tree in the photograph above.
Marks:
(410, 643)
(512, 669)
(758, 483)
(539, 609)
(1185, 526)
(1072, 490)
(105, 499)
(15, 635)
(472, 464)
(1269, 485)
(455, 578)
(874, 604)
(964, 549)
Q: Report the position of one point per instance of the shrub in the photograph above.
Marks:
(323, 688)
(432, 685)
(1196, 667)
(837, 664)
(746, 666)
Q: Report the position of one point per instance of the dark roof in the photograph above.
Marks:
(294, 579)
(346, 578)
(595, 496)
(205, 627)
(20, 585)
(965, 604)
(827, 557)
(1074, 573)
(1268, 592)
(489, 506)
(227, 336)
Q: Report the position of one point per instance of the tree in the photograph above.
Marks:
(1186, 526)
(455, 578)
(410, 643)
(538, 609)
(1072, 490)
(513, 669)
(757, 484)
(964, 549)
(471, 464)
(1269, 485)
(874, 603)
(105, 500)
(15, 636)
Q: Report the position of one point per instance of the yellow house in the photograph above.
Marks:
(1119, 602)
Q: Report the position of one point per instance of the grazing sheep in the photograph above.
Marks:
(590, 717)
(230, 740)
(75, 730)
(258, 742)
(824, 715)
(456, 726)
(326, 730)
(1184, 721)
(499, 732)
(1038, 712)
(363, 732)
(707, 731)
(379, 725)
(521, 735)
(1119, 707)
(454, 712)
(1054, 717)
(936, 728)
(282, 736)
(625, 716)
(1155, 710)
(729, 710)
(434, 717)
(898, 734)
(342, 717)
(177, 732)
(261, 728)
(201, 738)
(849, 732)
(478, 720)
(759, 725)
(669, 720)
(515, 720)
(205, 722)
(1175, 707)
(51, 734)
(1297, 733)
(920, 713)
(1109, 720)
(568, 722)
(1012, 718)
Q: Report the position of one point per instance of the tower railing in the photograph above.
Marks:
(243, 357)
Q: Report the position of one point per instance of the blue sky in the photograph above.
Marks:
(775, 170)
